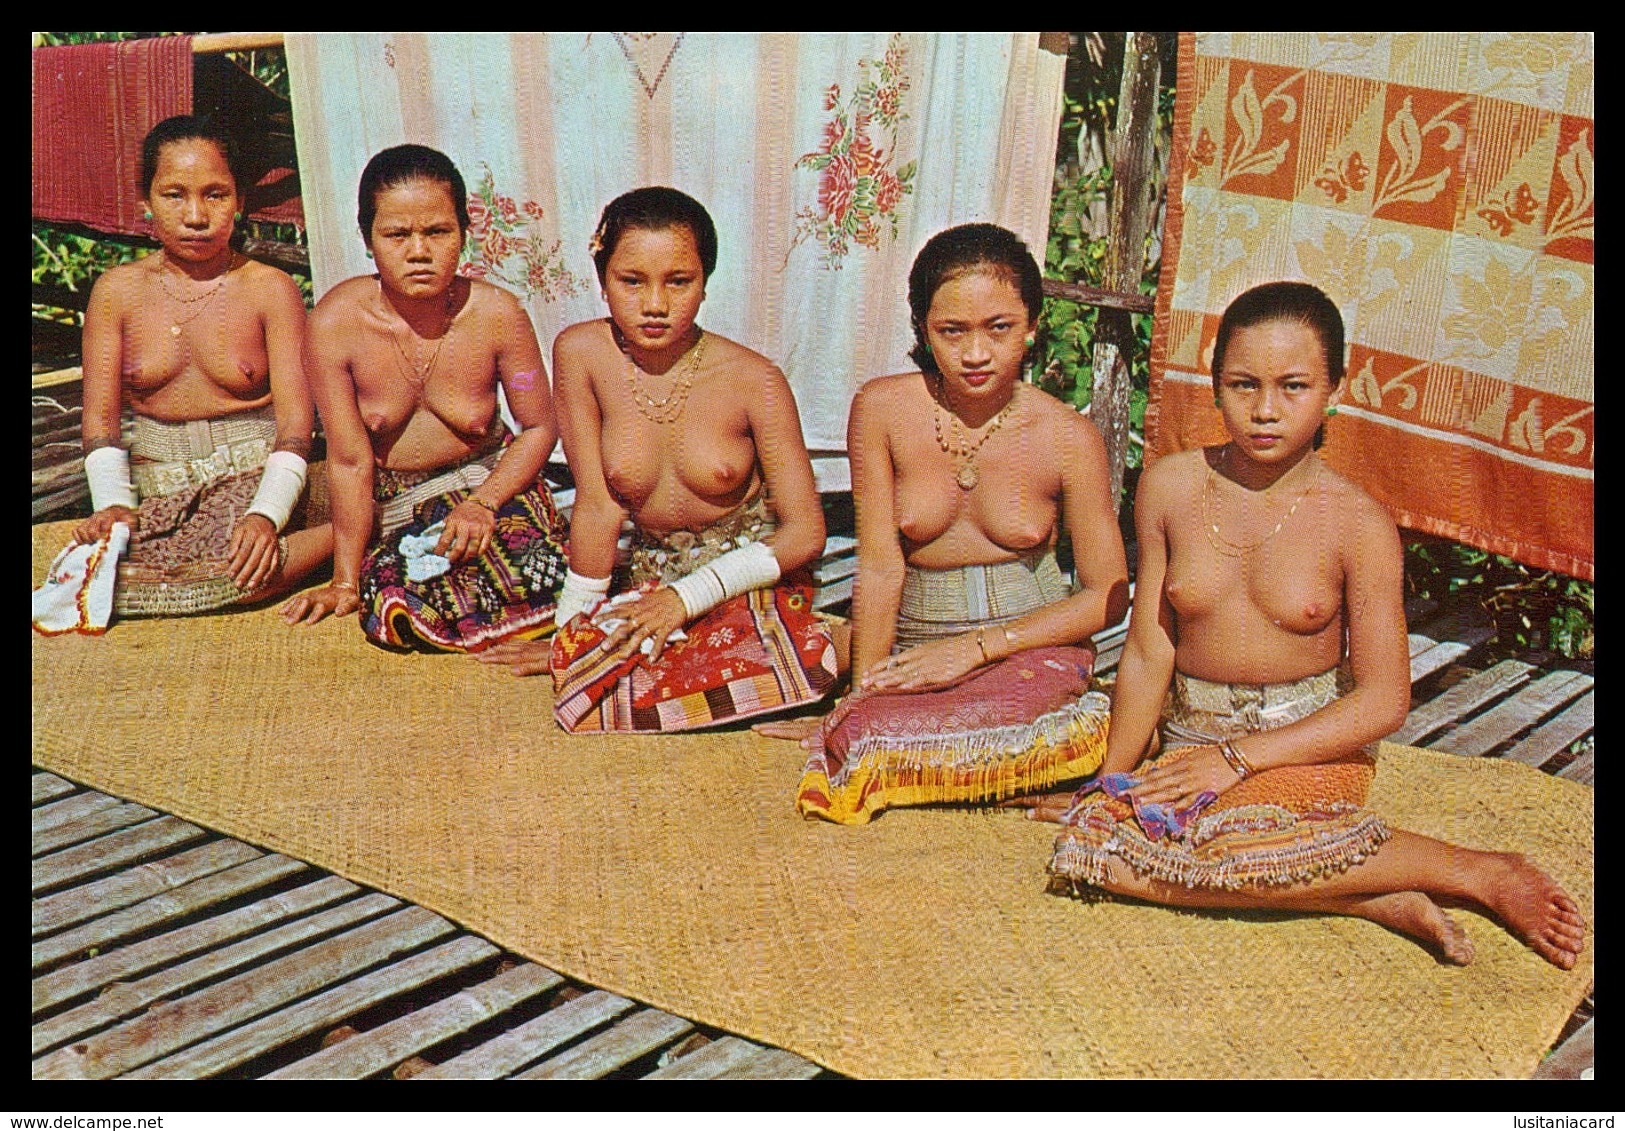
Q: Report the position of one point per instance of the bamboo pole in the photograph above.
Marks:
(216, 42)
(1132, 206)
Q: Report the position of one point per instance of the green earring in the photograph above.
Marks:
(369, 253)
(1331, 410)
(236, 217)
(1216, 403)
(1030, 341)
(147, 215)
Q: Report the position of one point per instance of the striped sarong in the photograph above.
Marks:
(754, 654)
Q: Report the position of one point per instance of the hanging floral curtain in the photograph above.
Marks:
(1440, 188)
(826, 160)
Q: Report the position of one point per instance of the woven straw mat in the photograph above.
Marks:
(674, 870)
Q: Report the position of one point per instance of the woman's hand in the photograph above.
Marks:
(308, 608)
(469, 528)
(253, 552)
(925, 668)
(100, 524)
(654, 617)
(522, 657)
(1180, 781)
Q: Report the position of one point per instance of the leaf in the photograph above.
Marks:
(1406, 138)
(1421, 191)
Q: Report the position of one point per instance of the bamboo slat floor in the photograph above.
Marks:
(164, 950)
(219, 960)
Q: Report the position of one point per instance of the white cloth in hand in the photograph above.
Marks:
(77, 595)
(422, 563)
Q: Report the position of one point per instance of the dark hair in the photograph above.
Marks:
(1284, 302)
(653, 209)
(186, 127)
(402, 164)
(1303, 303)
(959, 251)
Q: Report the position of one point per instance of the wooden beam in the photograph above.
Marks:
(1132, 207)
(217, 42)
(1095, 296)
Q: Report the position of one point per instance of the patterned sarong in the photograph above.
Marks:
(195, 479)
(1277, 826)
(509, 592)
(1015, 726)
(756, 653)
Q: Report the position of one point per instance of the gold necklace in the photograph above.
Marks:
(670, 407)
(413, 371)
(962, 450)
(200, 301)
(1210, 512)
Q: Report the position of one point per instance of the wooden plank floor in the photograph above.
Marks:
(162, 950)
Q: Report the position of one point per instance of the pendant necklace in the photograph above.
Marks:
(416, 372)
(197, 303)
(962, 450)
(1210, 512)
(670, 407)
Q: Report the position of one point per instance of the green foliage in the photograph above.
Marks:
(1075, 253)
(1532, 609)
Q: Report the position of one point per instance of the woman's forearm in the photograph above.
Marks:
(594, 532)
(350, 486)
(519, 468)
(876, 596)
(1143, 676)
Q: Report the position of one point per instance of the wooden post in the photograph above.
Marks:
(1133, 204)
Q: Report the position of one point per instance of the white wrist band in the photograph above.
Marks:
(579, 595)
(108, 470)
(280, 485)
(737, 571)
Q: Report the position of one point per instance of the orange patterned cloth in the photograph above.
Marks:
(1440, 188)
(1278, 826)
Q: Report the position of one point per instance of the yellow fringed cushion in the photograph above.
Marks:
(1021, 725)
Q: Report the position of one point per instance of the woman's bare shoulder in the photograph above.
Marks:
(498, 301)
(341, 306)
(120, 282)
(263, 281)
(892, 388)
(739, 359)
(583, 339)
(1175, 470)
(1367, 516)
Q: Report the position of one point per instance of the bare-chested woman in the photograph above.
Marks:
(696, 439)
(204, 344)
(1268, 637)
(443, 538)
(970, 649)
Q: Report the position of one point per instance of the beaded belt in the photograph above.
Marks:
(399, 492)
(667, 557)
(1199, 712)
(167, 458)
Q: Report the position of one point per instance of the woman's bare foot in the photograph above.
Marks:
(1413, 914)
(792, 730)
(522, 657)
(1536, 909)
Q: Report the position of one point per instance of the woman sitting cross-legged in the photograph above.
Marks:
(696, 439)
(445, 540)
(204, 344)
(970, 651)
(1268, 637)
